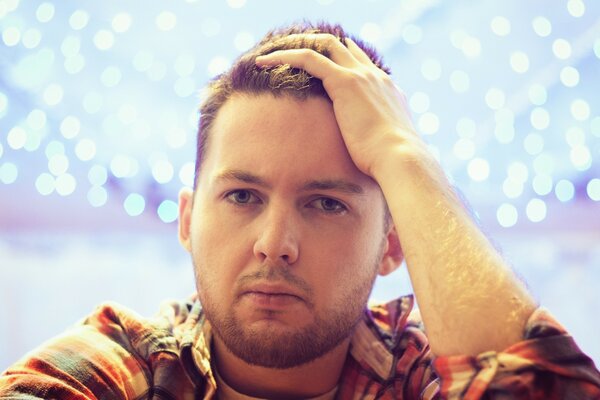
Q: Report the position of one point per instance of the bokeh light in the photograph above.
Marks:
(79, 20)
(507, 215)
(479, 169)
(104, 39)
(65, 184)
(167, 211)
(8, 173)
(536, 210)
(186, 174)
(564, 190)
(85, 149)
(593, 189)
(166, 21)
(500, 26)
(576, 8)
(519, 62)
(97, 196)
(97, 175)
(16, 138)
(134, 204)
(45, 12)
(569, 76)
(541, 26)
(561, 48)
(121, 22)
(45, 184)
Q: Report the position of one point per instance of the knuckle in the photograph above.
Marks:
(329, 42)
(311, 55)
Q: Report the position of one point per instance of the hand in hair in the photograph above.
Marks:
(371, 111)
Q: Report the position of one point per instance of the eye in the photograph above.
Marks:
(242, 197)
(329, 205)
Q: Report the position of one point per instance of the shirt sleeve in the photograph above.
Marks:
(93, 360)
(547, 364)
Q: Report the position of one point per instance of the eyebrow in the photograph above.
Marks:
(242, 176)
(339, 185)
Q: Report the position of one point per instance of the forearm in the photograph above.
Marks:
(469, 298)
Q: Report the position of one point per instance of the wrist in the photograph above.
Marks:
(404, 159)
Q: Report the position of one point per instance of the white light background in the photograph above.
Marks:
(97, 132)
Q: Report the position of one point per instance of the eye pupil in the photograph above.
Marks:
(242, 196)
(328, 204)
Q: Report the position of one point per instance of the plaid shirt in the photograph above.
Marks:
(116, 354)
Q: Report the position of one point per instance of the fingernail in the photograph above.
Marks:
(263, 62)
(259, 61)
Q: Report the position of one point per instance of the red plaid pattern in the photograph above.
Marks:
(117, 354)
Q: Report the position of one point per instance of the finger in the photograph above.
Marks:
(328, 43)
(357, 52)
(310, 61)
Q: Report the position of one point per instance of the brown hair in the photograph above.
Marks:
(245, 77)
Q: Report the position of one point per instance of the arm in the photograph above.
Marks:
(469, 298)
(478, 316)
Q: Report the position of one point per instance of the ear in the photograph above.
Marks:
(186, 199)
(392, 254)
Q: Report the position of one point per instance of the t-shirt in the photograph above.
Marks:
(226, 392)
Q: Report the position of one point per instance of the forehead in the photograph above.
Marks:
(278, 137)
(256, 117)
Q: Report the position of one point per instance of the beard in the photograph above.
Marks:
(294, 347)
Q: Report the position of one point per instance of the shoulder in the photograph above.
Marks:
(109, 353)
(144, 336)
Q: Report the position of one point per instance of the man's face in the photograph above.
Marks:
(286, 234)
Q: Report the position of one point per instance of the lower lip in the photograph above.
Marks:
(272, 301)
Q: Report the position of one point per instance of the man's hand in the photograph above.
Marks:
(370, 110)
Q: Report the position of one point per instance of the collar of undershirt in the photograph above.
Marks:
(226, 392)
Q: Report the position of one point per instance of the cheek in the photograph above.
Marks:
(347, 263)
(216, 250)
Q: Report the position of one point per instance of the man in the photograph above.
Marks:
(310, 181)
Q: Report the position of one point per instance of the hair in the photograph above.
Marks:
(245, 77)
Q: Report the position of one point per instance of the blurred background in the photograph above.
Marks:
(98, 111)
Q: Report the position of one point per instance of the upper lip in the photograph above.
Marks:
(272, 289)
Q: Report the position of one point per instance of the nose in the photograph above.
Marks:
(277, 239)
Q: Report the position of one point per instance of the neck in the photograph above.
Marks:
(323, 374)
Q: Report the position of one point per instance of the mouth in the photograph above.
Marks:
(272, 296)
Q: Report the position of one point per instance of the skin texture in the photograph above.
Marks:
(265, 219)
